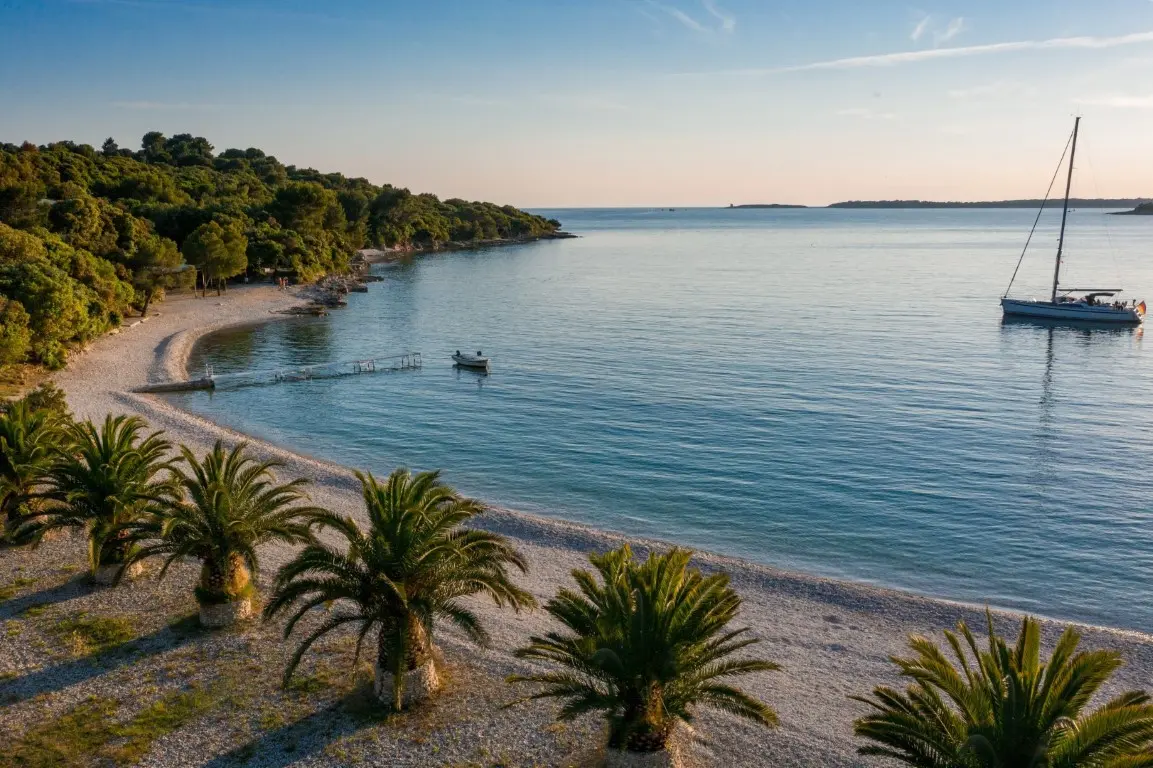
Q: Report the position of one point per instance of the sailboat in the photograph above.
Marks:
(1095, 305)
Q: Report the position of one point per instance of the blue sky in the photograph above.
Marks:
(609, 102)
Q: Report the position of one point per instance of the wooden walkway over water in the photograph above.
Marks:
(404, 361)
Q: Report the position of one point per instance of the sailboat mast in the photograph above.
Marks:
(1065, 213)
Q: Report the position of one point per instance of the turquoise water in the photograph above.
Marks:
(831, 391)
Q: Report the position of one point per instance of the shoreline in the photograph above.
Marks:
(832, 638)
(390, 255)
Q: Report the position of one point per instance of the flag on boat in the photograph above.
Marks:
(1141, 309)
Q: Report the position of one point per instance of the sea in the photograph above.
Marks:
(831, 391)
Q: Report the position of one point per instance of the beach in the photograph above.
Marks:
(831, 639)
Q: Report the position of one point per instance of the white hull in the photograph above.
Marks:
(477, 363)
(1071, 311)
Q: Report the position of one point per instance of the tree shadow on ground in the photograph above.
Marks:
(70, 672)
(308, 736)
(77, 586)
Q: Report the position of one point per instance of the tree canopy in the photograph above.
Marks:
(88, 235)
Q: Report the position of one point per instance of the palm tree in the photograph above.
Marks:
(413, 565)
(230, 505)
(28, 441)
(103, 483)
(643, 646)
(1005, 707)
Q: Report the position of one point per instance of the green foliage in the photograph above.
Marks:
(29, 439)
(1005, 707)
(414, 564)
(643, 646)
(86, 635)
(217, 251)
(9, 590)
(231, 504)
(89, 734)
(103, 484)
(15, 335)
(69, 295)
(88, 223)
(157, 266)
(46, 397)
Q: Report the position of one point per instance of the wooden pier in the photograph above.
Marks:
(405, 361)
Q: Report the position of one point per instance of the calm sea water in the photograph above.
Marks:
(831, 391)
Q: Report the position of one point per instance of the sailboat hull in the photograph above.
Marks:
(1071, 311)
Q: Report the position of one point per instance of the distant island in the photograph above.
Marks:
(1054, 203)
(766, 205)
(1140, 205)
(1144, 209)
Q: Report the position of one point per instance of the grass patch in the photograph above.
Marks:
(34, 610)
(324, 678)
(159, 719)
(89, 734)
(8, 591)
(69, 741)
(87, 635)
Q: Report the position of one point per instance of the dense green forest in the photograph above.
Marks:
(88, 235)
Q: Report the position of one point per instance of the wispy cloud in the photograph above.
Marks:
(932, 54)
(164, 106)
(920, 28)
(866, 114)
(954, 28)
(727, 21)
(724, 21)
(680, 16)
(1117, 101)
(926, 24)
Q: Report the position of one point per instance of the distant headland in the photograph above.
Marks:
(1144, 209)
(766, 205)
(1140, 205)
(1053, 203)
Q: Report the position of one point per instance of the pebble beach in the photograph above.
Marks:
(832, 639)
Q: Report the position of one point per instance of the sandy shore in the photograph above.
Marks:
(832, 639)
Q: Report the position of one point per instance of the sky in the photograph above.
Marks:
(558, 103)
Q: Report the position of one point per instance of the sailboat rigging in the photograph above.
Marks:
(1097, 305)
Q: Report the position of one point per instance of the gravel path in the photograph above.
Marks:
(832, 639)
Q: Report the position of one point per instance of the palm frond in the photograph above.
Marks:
(643, 644)
(1006, 706)
(410, 566)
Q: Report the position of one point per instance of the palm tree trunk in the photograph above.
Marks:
(113, 550)
(403, 646)
(640, 730)
(224, 581)
(223, 592)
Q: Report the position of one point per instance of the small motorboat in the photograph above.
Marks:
(477, 362)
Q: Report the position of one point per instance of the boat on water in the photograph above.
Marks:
(477, 362)
(1092, 305)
